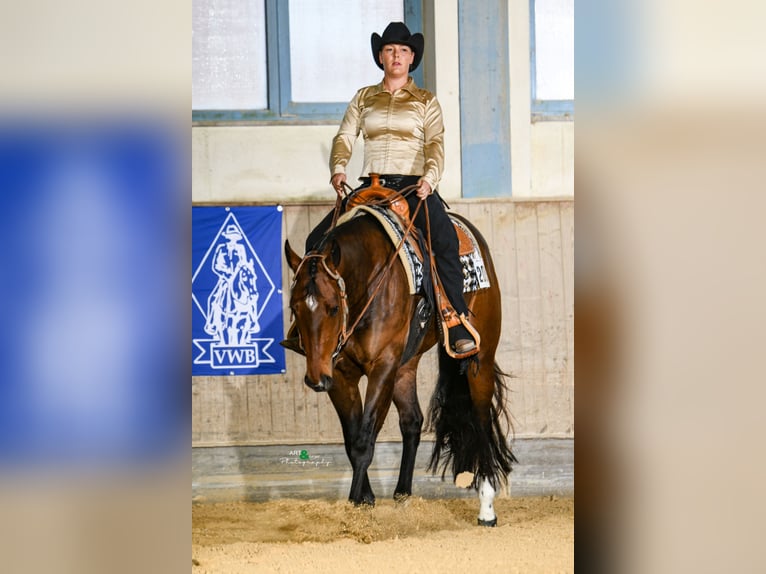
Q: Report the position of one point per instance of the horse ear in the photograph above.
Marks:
(335, 253)
(293, 260)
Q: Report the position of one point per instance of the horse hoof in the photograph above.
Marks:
(401, 497)
(365, 502)
(489, 523)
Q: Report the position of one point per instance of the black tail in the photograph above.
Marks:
(461, 442)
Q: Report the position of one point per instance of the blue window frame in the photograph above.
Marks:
(281, 108)
(544, 108)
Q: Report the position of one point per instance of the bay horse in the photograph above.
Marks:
(331, 290)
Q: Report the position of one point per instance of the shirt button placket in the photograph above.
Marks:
(389, 116)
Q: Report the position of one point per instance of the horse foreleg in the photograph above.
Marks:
(410, 425)
(380, 390)
(345, 397)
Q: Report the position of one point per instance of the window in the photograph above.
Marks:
(287, 60)
(229, 55)
(552, 58)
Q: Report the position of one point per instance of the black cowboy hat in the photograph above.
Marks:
(397, 33)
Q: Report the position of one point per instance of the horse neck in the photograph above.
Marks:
(364, 254)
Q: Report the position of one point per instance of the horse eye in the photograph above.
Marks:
(334, 311)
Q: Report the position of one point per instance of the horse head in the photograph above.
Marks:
(318, 302)
(243, 285)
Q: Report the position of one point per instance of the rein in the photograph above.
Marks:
(347, 331)
(338, 204)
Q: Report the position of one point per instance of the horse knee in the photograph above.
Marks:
(361, 453)
(411, 425)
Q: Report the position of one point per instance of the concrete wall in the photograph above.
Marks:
(278, 163)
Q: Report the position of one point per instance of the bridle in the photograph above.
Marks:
(345, 333)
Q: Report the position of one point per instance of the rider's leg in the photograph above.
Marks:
(445, 245)
(318, 232)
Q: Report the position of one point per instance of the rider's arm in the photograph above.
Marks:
(343, 142)
(433, 149)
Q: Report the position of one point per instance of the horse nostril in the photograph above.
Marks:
(324, 383)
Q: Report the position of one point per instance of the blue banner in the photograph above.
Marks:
(237, 291)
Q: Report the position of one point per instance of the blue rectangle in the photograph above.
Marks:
(94, 215)
(237, 291)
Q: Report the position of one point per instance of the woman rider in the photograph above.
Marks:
(404, 142)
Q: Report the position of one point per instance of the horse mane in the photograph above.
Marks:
(311, 285)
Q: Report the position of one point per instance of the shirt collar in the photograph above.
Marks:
(409, 87)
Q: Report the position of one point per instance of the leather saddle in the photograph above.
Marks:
(376, 194)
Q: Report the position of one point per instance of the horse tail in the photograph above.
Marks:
(463, 442)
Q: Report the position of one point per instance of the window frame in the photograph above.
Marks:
(280, 107)
(544, 110)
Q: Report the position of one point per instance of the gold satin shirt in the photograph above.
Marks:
(403, 133)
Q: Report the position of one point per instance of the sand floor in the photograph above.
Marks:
(418, 536)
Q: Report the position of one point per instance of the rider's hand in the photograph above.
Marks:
(338, 183)
(424, 189)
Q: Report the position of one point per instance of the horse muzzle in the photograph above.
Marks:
(324, 384)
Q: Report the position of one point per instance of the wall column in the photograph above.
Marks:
(484, 98)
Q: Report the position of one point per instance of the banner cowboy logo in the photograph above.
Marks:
(236, 291)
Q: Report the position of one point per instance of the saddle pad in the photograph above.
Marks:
(474, 273)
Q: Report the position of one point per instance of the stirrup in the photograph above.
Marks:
(450, 319)
(463, 341)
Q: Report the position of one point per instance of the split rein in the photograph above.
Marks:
(347, 331)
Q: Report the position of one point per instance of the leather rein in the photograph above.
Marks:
(347, 331)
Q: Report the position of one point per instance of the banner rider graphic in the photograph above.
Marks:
(232, 308)
(236, 290)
